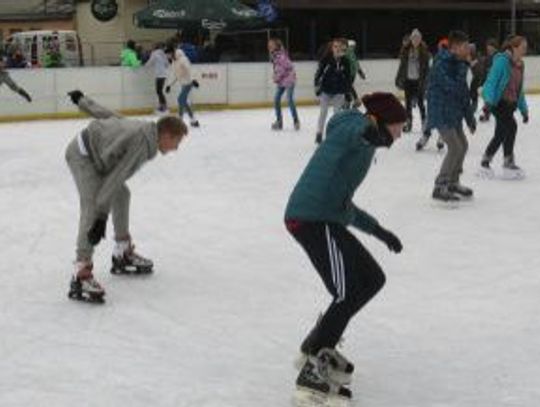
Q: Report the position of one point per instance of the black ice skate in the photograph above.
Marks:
(131, 263)
(84, 287)
(277, 125)
(195, 123)
(314, 387)
(340, 369)
(318, 138)
(461, 191)
(297, 125)
(422, 143)
(443, 194)
(408, 127)
(440, 144)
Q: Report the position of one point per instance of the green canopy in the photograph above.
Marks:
(199, 14)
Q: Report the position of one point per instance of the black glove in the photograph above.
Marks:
(195, 83)
(25, 95)
(97, 231)
(76, 96)
(391, 240)
(168, 89)
(525, 118)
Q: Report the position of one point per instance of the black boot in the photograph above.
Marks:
(442, 193)
(277, 125)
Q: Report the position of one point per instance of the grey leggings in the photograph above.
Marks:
(336, 101)
(452, 166)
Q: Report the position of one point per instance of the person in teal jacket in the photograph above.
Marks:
(503, 94)
(318, 213)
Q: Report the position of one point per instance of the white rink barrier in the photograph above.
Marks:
(222, 85)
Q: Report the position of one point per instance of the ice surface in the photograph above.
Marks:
(220, 322)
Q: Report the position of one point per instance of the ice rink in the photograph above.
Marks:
(220, 322)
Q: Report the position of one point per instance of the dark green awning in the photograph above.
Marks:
(199, 14)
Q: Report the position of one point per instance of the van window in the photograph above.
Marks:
(71, 43)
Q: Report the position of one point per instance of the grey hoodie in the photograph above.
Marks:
(118, 147)
(6, 78)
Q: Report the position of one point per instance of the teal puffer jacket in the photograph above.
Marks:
(325, 190)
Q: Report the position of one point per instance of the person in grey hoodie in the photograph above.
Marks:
(160, 62)
(6, 78)
(101, 159)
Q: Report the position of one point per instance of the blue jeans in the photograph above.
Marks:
(183, 103)
(290, 98)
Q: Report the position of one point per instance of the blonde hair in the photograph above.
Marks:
(278, 43)
(512, 42)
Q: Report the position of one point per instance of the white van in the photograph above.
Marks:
(34, 46)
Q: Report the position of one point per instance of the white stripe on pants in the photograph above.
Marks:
(337, 266)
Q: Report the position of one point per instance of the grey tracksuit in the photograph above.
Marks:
(109, 151)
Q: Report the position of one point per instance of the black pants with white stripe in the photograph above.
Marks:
(348, 271)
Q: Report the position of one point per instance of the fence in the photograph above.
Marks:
(226, 85)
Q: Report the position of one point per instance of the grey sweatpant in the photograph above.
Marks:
(89, 182)
(452, 166)
(336, 101)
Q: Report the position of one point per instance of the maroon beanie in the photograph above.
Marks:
(385, 107)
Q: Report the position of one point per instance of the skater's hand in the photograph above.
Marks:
(525, 118)
(168, 89)
(76, 96)
(391, 240)
(195, 83)
(97, 231)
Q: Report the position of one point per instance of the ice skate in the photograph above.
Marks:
(440, 143)
(441, 194)
(315, 388)
(340, 369)
(84, 287)
(195, 123)
(318, 138)
(461, 191)
(408, 127)
(422, 143)
(511, 171)
(126, 261)
(277, 125)
(485, 171)
(297, 125)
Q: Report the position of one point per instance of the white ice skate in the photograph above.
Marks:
(512, 173)
(485, 171)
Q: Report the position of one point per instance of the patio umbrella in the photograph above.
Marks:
(199, 14)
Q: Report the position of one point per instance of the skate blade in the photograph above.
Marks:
(309, 398)
(132, 271)
(448, 205)
(512, 175)
(90, 299)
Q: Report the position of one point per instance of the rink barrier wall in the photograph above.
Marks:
(223, 86)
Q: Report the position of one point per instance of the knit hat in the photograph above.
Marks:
(385, 107)
(416, 33)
